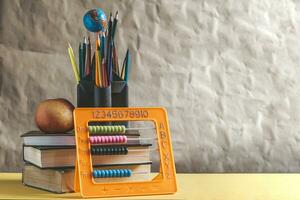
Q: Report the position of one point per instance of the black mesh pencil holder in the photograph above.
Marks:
(119, 97)
(85, 94)
(102, 98)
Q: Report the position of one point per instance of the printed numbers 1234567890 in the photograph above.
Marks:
(102, 114)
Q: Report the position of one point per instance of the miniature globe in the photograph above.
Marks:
(95, 20)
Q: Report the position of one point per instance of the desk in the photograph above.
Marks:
(191, 186)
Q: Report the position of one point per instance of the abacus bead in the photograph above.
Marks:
(120, 139)
(114, 140)
(125, 139)
(113, 151)
(108, 151)
(122, 129)
(119, 150)
(125, 172)
(117, 173)
(114, 173)
(95, 139)
(121, 173)
(98, 150)
(103, 139)
(93, 151)
(106, 173)
(109, 139)
(110, 173)
(98, 173)
(95, 174)
(105, 151)
(100, 139)
(129, 172)
(91, 140)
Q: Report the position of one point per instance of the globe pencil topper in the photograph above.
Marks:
(95, 20)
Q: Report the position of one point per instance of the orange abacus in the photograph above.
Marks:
(163, 183)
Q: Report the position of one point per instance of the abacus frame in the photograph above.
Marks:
(163, 183)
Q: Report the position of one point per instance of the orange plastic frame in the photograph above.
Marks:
(163, 183)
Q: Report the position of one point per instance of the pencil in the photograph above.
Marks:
(99, 64)
(88, 57)
(123, 67)
(115, 60)
(81, 61)
(108, 37)
(73, 62)
(109, 50)
(96, 65)
(83, 56)
(127, 65)
(115, 25)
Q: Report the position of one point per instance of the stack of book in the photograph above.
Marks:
(50, 160)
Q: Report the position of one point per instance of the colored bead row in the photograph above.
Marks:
(108, 139)
(96, 150)
(111, 173)
(107, 129)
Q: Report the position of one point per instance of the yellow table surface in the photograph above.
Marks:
(190, 186)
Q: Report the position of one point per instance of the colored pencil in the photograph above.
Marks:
(73, 62)
(88, 57)
(99, 63)
(115, 60)
(123, 69)
(97, 83)
(83, 56)
(127, 65)
(114, 27)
